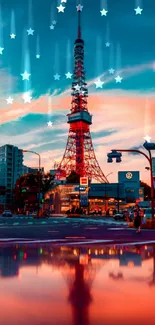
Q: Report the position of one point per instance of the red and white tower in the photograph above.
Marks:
(79, 155)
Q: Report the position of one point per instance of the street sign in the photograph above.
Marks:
(84, 181)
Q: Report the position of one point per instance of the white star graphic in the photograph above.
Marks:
(118, 79)
(25, 75)
(27, 98)
(30, 31)
(138, 11)
(1, 50)
(77, 88)
(79, 7)
(147, 138)
(52, 27)
(38, 56)
(61, 8)
(111, 71)
(63, 1)
(103, 12)
(68, 75)
(49, 123)
(98, 83)
(57, 76)
(9, 100)
(54, 22)
(12, 36)
(107, 44)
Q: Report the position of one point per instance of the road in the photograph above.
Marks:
(68, 230)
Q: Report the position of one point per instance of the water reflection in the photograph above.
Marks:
(44, 285)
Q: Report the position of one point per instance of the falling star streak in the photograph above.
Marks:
(13, 28)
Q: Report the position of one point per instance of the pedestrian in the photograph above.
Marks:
(137, 218)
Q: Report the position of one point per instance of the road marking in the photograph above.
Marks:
(91, 241)
(137, 242)
(75, 237)
(53, 231)
(117, 228)
(15, 223)
(91, 228)
(30, 223)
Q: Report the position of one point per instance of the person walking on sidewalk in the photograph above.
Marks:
(137, 218)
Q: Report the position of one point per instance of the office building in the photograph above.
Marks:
(30, 170)
(11, 163)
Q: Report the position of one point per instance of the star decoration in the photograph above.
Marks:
(49, 123)
(107, 44)
(57, 76)
(138, 11)
(103, 12)
(64, 1)
(9, 100)
(12, 36)
(61, 8)
(30, 31)
(147, 138)
(79, 7)
(38, 56)
(111, 71)
(52, 27)
(27, 98)
(25, 75)
(98, 83)
(1, 50)
(68, 75)
(118, 79)
(54, 22)
(77, 88)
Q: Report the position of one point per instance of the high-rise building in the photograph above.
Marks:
(11, 163)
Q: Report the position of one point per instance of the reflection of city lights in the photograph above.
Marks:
(110, 252)
(121, 252)
(145, 247)
(75, 252)
(96, 252)
(89, 251)
(102, 251)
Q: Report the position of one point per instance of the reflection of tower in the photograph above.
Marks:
(80, 283)
(79, 154)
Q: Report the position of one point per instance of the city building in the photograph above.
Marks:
(11, 163)
(100, 196)
(32, 170)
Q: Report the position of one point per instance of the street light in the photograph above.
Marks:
(36, 153)
(148, 146)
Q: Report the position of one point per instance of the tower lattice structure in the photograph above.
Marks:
(79, 155)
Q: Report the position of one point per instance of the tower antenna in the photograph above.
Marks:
(79, 7)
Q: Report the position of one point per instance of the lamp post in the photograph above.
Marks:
(148, 146)
(36, 153)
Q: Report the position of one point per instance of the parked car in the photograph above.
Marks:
(7, 213)
(148, 213)
(119, 216)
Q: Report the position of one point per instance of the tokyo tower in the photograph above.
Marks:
(79, 155)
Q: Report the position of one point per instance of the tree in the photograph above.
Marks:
(73, 178)
(27, 188)
(147, 190)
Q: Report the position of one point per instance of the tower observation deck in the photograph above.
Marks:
(79, 155)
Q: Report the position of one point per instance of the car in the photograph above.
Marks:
(119, 216)
(7, 213)
(148, 213)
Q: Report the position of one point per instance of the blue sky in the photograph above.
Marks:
(122, 112)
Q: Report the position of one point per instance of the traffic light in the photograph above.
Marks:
(114, 154)
(149, 145)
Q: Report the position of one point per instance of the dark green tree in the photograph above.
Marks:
(73, 178)
(147, 190)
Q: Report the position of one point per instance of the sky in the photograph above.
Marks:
(123, 112)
